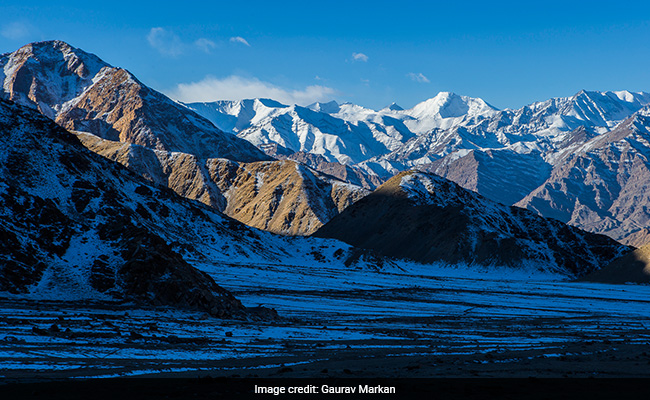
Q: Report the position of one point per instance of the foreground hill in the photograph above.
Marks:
(75, 225)
(427, 218)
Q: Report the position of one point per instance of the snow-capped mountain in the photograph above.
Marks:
(505, 155)
(117, 116)
(81, 92)
(427, 218)
(548, 128)
(344, 133)
(508, 155)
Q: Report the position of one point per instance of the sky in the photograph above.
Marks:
(371, 53)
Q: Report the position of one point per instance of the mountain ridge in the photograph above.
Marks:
(426, 218)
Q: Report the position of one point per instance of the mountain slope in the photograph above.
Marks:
(81, 92)
(427, 218)
(602, 186)
(633, 267)
(75, 225)
(280, 196)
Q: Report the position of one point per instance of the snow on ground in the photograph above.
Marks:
(405, 309)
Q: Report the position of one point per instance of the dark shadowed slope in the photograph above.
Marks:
(74, 225)
(427, 218)
(633, 267)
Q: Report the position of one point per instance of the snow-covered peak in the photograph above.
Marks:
(450, 105)
(392, 107)
(331, 107)
(236, 115)
(62, 72)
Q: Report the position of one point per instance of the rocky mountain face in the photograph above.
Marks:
(75, 225)
(124, 120)
(426, 218)
(604, 184)
(280, 196)
(81, 92)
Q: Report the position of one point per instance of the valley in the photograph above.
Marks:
(427, 320)
(141, 236)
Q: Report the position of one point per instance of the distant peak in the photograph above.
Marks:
(271, 103)
(330, 107)
(394, 107)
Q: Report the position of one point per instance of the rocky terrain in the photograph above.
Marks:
(81, 92)
(427, 218)
(75, 225)
(280, 196)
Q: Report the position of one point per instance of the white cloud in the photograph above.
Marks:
(206, 45)
(359, 57)
(166, 42)
(16, 30)
(239, 39)
(237, 88)
(419, 77)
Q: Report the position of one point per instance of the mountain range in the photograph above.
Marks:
(108, 167)
(165, 142)
(525, 157)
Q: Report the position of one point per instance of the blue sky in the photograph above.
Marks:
(368, 53)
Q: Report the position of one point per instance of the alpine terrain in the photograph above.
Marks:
(517, 156)
(165, 142)
(140, 236)
(78, 226)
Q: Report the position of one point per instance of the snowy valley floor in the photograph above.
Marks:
(427, 322)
